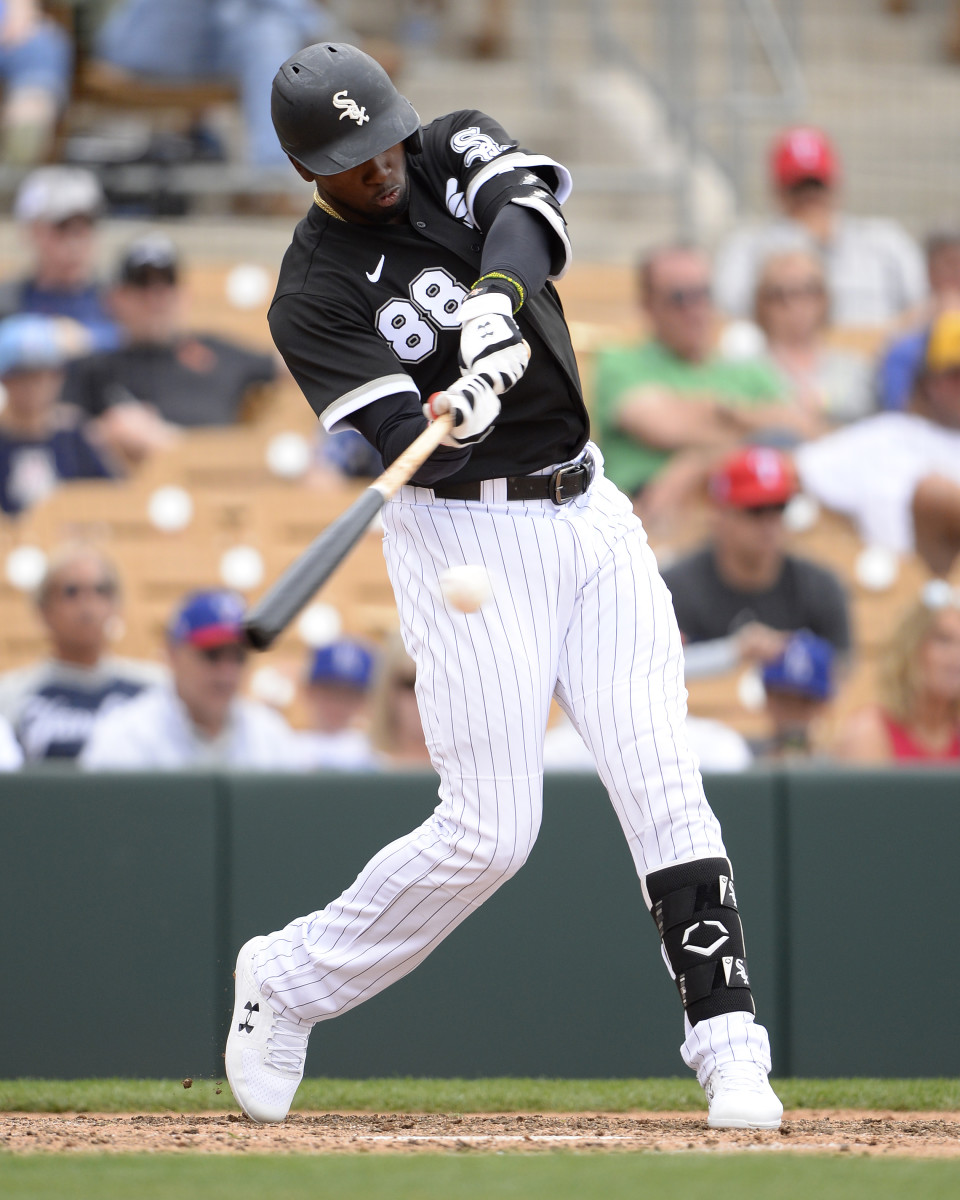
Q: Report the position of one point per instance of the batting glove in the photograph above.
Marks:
(490, 339)
(475, 406)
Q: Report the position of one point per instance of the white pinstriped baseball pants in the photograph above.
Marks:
(578, 612)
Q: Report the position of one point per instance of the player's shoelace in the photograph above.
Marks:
(286, 1045)
(739, 1076)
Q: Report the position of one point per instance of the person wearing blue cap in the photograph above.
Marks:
(799, 685)
(199, 719)
(336, 688)
(41, 444)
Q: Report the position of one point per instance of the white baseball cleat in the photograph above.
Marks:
(265, 1052)
(740, 1097)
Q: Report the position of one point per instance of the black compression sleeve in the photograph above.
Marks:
(392, 422)
(519, 243)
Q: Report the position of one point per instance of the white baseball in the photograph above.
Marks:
(466, 588)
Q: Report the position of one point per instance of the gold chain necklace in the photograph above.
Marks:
(321, 203)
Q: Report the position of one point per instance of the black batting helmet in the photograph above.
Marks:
(334, 107)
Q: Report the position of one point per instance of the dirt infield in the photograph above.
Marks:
(922, 1134)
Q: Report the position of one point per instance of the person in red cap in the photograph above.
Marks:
(737, 596)
(875, 270)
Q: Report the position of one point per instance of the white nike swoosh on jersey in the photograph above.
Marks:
(374, 275)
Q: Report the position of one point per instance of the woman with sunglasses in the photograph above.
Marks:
(792, 309)
(917, 716)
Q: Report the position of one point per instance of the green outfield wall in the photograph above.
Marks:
(125, 898)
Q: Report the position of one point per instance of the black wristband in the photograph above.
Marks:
(500, 281)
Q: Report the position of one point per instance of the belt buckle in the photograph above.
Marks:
(556, 483)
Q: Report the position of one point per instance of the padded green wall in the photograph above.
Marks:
(126, 897)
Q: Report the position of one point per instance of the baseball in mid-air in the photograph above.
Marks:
(466, 588)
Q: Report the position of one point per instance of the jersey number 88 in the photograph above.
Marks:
(409, 325)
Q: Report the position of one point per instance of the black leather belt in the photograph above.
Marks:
(564, 485)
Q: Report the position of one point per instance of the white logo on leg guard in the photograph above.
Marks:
(706, 951)
(737, 967)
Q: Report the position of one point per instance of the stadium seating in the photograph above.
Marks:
(238, 501)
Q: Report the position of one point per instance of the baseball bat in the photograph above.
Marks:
(278, 606)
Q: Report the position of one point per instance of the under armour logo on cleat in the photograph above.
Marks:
(350, 107)
(245, 1026)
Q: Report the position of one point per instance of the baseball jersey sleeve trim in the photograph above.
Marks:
(517, 160)
(335, 418)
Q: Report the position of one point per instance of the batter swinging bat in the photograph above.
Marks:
(274, 611)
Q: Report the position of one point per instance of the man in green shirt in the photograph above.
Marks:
(673, 393)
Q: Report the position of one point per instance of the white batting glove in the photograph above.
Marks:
(490, 339)
(475, 406)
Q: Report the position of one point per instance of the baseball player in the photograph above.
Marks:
(420, 283)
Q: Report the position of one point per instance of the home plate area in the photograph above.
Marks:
(837, 1131)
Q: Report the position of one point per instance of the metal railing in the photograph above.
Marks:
(711, 126)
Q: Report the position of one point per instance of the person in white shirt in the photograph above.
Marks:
(875, 270)
(336, 691)
(897, 475)
(11, 756)
(199, 719)
(718, 748)
(52, 704)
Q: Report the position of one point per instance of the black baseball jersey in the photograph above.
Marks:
(367, 311)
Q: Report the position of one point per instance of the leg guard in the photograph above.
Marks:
(695, 907)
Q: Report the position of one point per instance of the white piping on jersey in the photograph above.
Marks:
(515, 161)
(334, 419)
(555, 221)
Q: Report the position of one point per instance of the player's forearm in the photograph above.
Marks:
(517, 248)
(392, 423)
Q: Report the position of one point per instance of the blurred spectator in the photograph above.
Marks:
(396, 732)
(59, 208)
(903, 358)
(344, 455)
(35, 73)
(11, 756)
(792, 309)
(897, 475)
(799, 687)
(52, 704)
(41, 442)
(199, 719)
(336, 692)
(672, 392)
(161, 378)
(735, 597)
(917, 716)
(717, 747)
(240, 40)
(874, 268)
